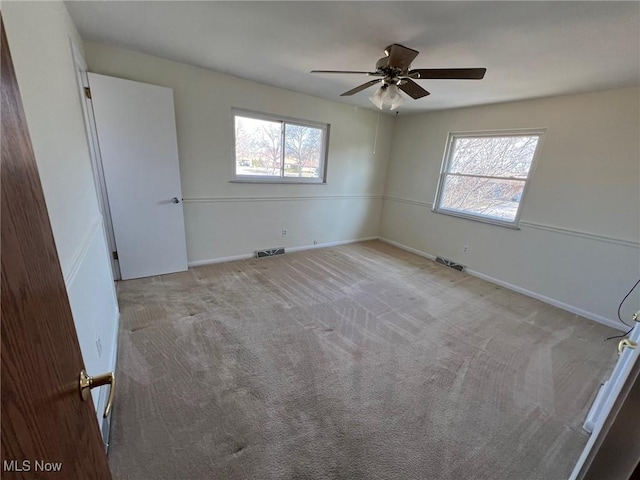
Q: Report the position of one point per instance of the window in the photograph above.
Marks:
(485, 175)
(269, 148)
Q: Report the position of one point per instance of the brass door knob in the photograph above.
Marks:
(625, 342)
(88, 382)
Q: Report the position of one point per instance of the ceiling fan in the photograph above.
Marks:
(394, 70)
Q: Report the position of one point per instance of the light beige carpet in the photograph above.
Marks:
(354, 362)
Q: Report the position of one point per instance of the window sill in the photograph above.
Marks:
(280, 182)
(476, 218)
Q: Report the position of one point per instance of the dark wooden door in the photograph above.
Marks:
(47, 431)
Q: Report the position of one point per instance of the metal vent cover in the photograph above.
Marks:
(270, 252)
(450, 263)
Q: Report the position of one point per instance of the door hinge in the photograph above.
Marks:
(115, 255)
(87, 92)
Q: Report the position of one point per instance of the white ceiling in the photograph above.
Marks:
(530, 49)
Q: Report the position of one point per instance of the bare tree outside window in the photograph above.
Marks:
(270, 145)
(267, 148)
(485, 176)
(258, 146)
(303, 148)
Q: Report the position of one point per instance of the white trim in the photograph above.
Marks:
(81, 70)
(408, 249)
(276, 117)
(81, 252)
(113, 361)
(476, 218)
(446, 164)
(329, 244)
(410, 202)
(284, 121)
(598, 412)
(551, 301)
(278, 180)
(114, 350)
(211, 261)
(539, 226)
(489, 177)
(614, 387)
(246, 256)
(279, 199)
(507, 132)
(578, 233)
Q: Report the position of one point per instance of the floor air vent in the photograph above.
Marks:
(450, 264)
(269, 252)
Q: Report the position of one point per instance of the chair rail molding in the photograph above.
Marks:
(288, 198)
(70, 273)
(540, 226)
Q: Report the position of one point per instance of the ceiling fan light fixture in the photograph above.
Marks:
(377, 98)
(393, 97)
(387, 94)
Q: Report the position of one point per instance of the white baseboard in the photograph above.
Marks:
(113, 361)
(211, 261)
(408, 249)
(551, 301)
(543, 298)
(329, 244)
(245, 256)
(114, 348)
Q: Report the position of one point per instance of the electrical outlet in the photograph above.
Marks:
(284, 233)
(99, 346)
(465, 249)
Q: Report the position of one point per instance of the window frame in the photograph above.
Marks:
(283, 120)
(446, 162)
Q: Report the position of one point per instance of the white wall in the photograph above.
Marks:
(225, 219)
(38, 35)
(578, 244)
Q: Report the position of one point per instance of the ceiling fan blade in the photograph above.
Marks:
(360, 87)
(400, 56)
(344, 71)
(448, 73)
(412, 89)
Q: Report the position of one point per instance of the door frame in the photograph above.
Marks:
(44, 418)
(82, 81)
(616, 446)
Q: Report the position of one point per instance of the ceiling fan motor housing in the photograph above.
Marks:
(383, 66)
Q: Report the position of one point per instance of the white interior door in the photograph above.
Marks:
(139, 149)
